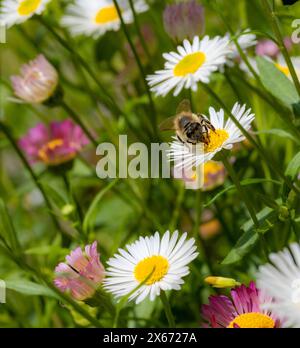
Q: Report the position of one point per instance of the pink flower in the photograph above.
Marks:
(184, 20)
(242, 310)
(270, 49)
(54, 144)
(38, 81)
(81, 274)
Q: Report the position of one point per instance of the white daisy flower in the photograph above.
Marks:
(18, 11)
(245, 41)
(225, 135)
(281, 280)
(193, 62)
(167, 256)
(95, 17)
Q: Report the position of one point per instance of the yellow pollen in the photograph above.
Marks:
(189, 64)
(160, 265)
(55, 160)
(216, 140)
(28, 7)
(106, 15)
(253, 321)
(283, 69)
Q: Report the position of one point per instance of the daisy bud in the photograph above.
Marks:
(81, 274)
(55, 144)
(37, 83)
(184, 20)
(221, 282)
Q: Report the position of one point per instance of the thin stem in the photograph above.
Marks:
(138, 29)
(167, 309)
(239, 187)
(276, 29)
(141, 68)
(73, 114)
(106, 98)
(12, 141)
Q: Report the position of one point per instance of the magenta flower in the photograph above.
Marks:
(184, 20)
(269, 48)
(243, 310)
(53, 145)
(38, 81)
(81, 274)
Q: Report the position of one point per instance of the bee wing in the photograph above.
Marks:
(167, 124)
(184, 106)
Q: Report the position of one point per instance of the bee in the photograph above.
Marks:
(190, 127)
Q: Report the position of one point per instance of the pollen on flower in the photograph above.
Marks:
(160, 265)
(190, 64)
(252, 321)
(106, 15)
(216, 140)
(47, 156)
(27, 7)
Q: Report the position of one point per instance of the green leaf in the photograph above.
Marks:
(279, 132)
(251, 235)
(276, 82)
(294, 167)
(27, 287)
(245, 182)
(57, 198)
(92, 211)
(7, 229)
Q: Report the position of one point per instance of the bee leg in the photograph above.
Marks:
(178, 137)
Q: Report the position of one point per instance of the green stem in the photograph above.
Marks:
(12, 141)
(167, 309)
(138, 30)
(276, 29)
(140, 66)
(77, 120)
(238, 185)
(105, 97)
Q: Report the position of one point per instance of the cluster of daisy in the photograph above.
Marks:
(153, 264)
(91, 18)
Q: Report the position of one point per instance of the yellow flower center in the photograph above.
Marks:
(216, 140)
(253, 321)
(106, 15)
(27, 7)
(189, 64)
(212, 167)
(283, 69)
(160, 265)
(48, 157)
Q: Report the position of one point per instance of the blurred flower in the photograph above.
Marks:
(226, 134)
(81, 274)
(38, 81)
(209, 228)
(221, 282)
(213, 172)
(242, 310)
(245, 40)
(18, 11)
(95, 17)
(269, 48)
(280, 64)
(194, 62)
(184, 20)
(53, 145)
(281, 280)
(167, 258)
